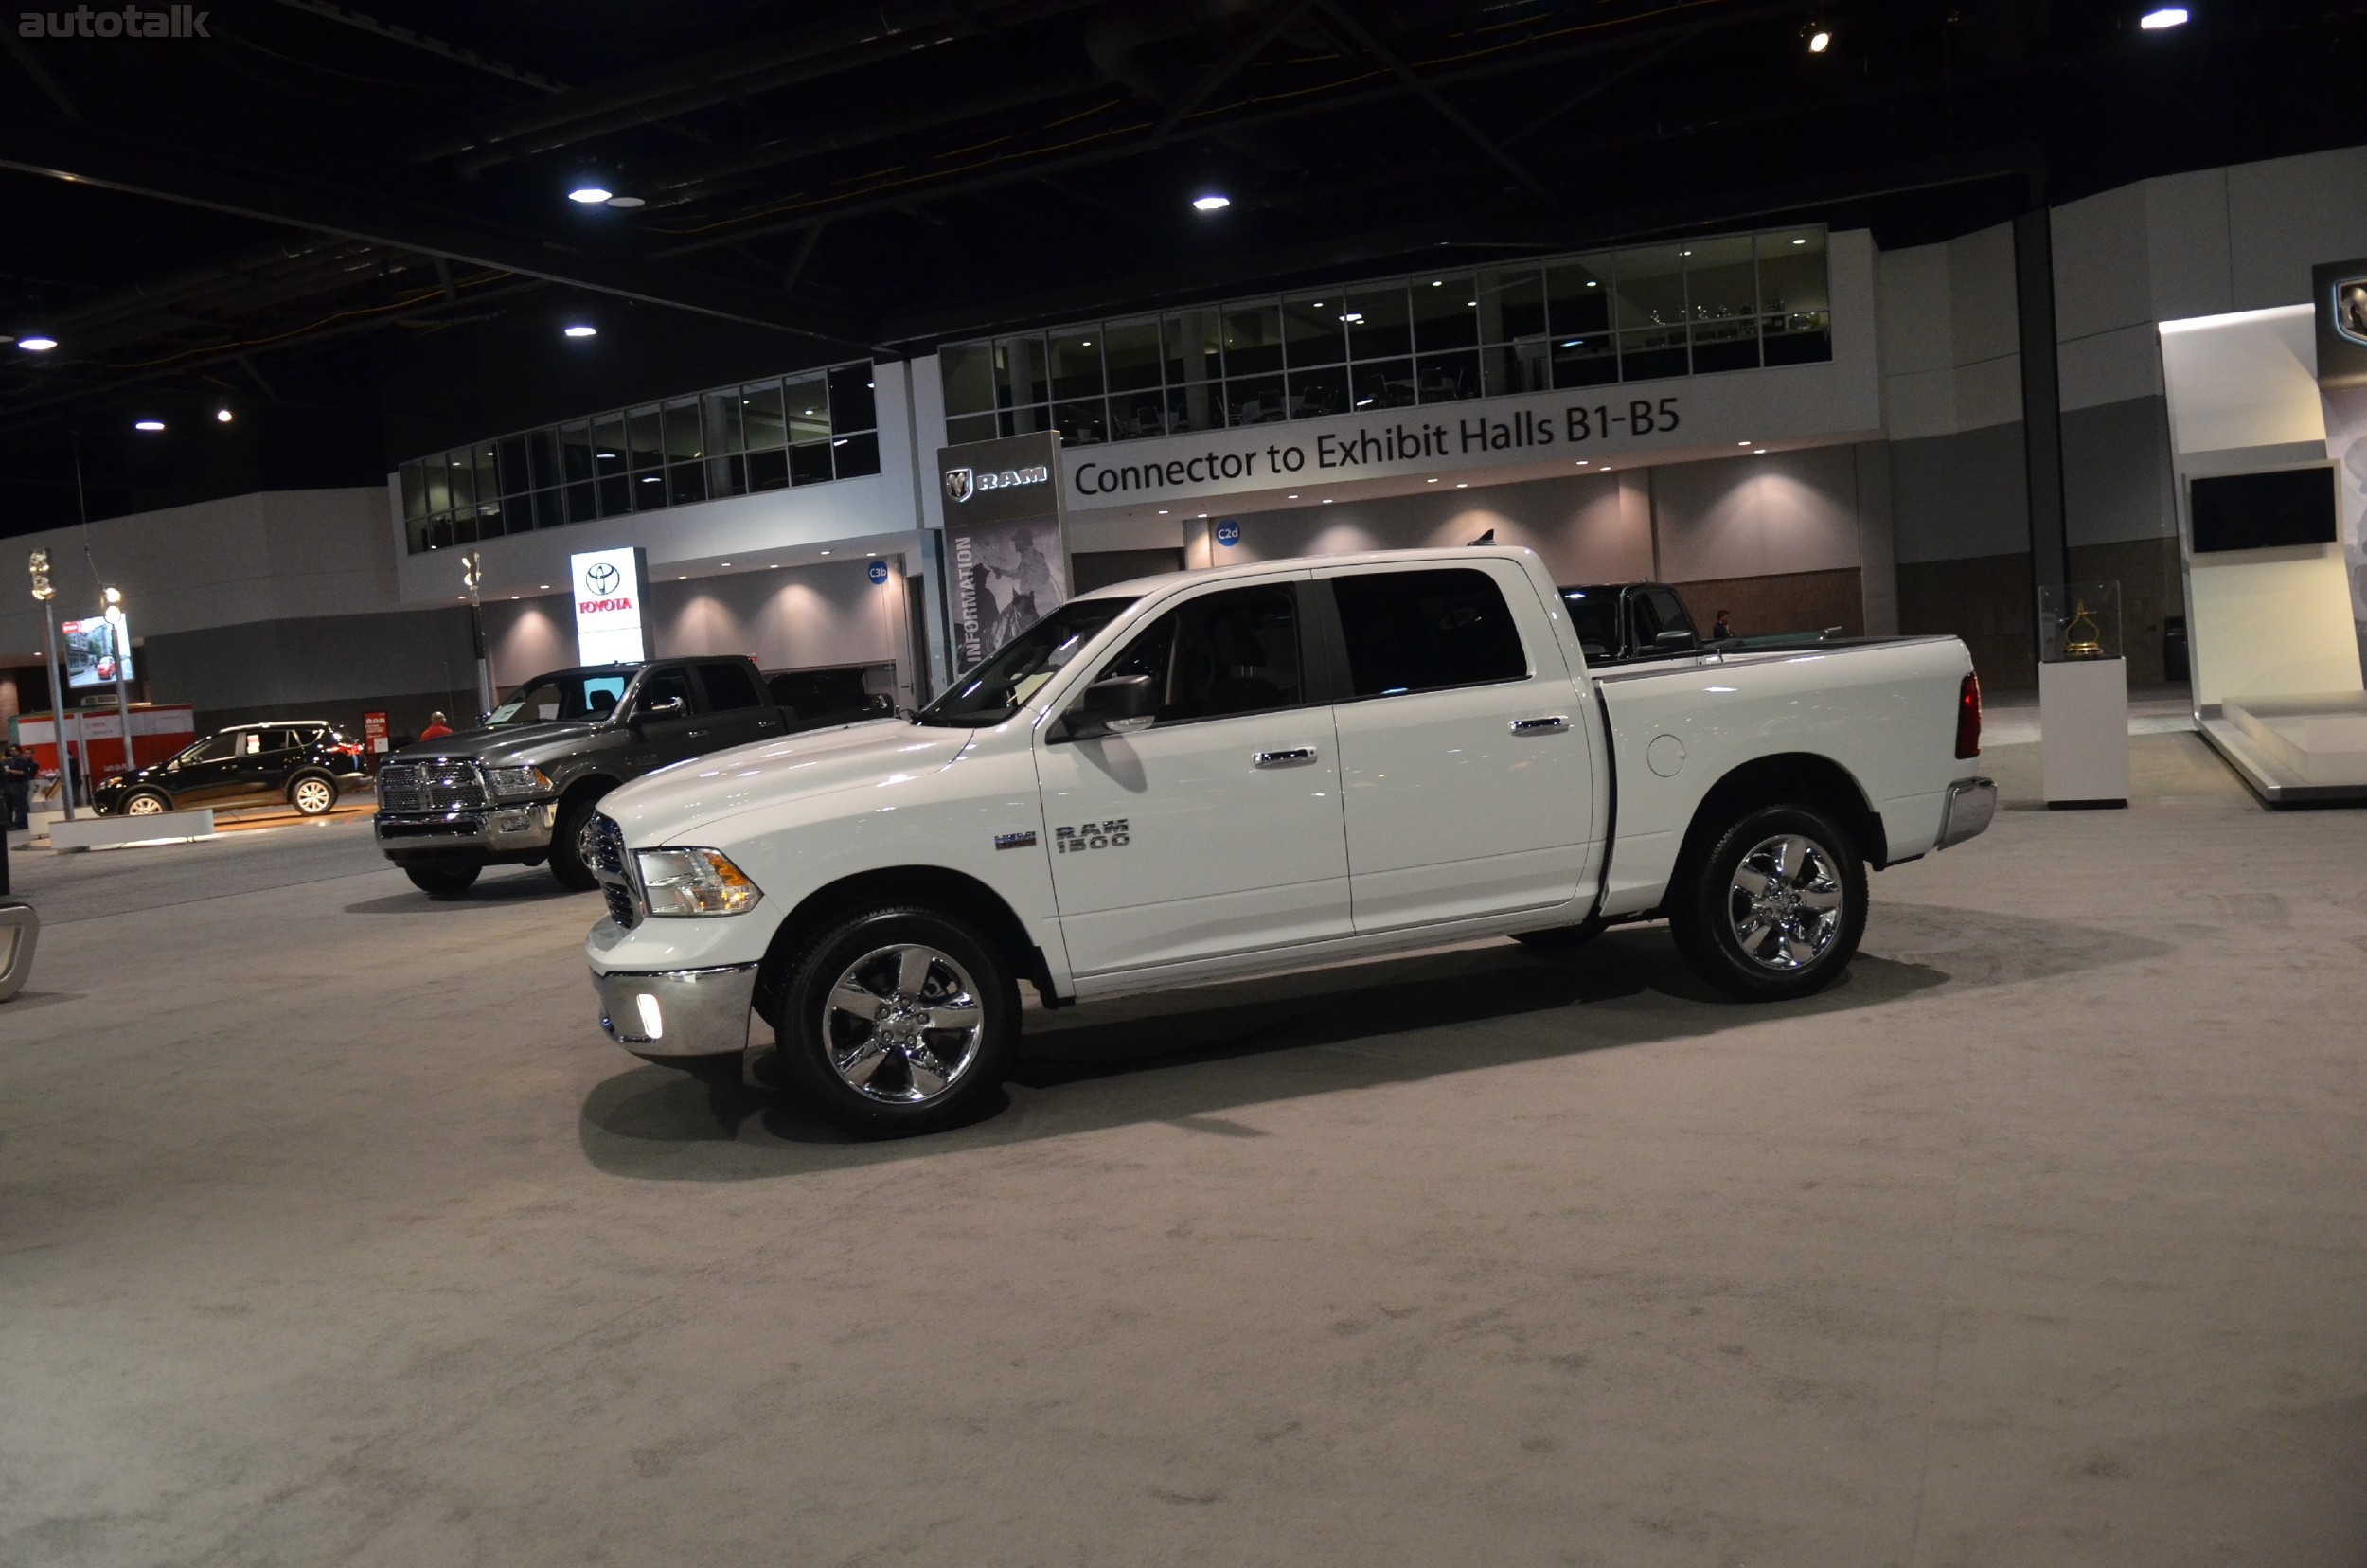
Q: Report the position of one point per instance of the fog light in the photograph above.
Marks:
(652, 1020)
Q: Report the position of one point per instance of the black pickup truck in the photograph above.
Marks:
(520, 789)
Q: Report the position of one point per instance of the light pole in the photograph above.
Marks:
(119, 634)
(43, 592)
(472, 576)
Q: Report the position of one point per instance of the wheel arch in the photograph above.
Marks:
(590, 786)
(1802, 778)
(955, 892)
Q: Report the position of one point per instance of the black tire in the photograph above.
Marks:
(144, 797)
(814, 1033)
(311, 802)
(442, 882)
(1776, 942)
(1562, 938)
(567, 845)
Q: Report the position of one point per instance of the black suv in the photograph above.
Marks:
(520, 789)
(305, 762)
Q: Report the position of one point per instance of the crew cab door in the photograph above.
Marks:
(1463, 749)
(1216, 830)
(737, 710)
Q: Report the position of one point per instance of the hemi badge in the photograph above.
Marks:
(1015, 841)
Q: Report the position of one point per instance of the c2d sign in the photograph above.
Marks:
(1228, 533)
(1005, 540)
(608, 591)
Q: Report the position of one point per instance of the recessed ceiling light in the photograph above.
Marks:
(727, 563)
(1820, 40)
(2167, 16)
(1742, 443)
(1353, 317)
(1429, 481)
(513, 598)
(626, 201)
(1163, 512)
(826, 552)
(580, 330)
(37, 344)
(1581, 462)
(1326, 500)
(1213, 201)
(223, 415)
(1203, 514)
(1292, 497)
(590, 195)
(774, 567)
(544, 585)
(1799, 241)
(1759, 452)
(151, 426)
(1437, 282)
(1462, 484)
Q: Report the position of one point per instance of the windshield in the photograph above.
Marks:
(998, 688)
(1594, 616)
(574, 694)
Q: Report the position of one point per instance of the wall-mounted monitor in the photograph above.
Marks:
(2256, 511)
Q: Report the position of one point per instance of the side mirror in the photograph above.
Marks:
(661, 708)
(1118, 705)
(1675, 637)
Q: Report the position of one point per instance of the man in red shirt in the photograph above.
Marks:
(436, 729)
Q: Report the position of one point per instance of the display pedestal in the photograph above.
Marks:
(2083, 732)
(97, 833)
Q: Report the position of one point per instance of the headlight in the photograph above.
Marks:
(695, 882)
(511, 783)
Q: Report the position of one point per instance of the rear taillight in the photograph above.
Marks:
(1968, 717)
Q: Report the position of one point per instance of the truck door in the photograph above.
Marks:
(737, 711)
(659, 736)
(1218, 828)
(1463, 749)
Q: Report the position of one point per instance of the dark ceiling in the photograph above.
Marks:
(351, 229)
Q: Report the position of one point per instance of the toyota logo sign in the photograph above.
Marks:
(600, 580)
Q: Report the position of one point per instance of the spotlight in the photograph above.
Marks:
(2167, 16)
(151, 426)
(223, 415)
(37, 344)
(1213, 201)
(581, 331)
(590, 195)
(1820, 40)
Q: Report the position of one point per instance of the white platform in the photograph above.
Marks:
(2083, 732)
(117, 832)
(2296, 751)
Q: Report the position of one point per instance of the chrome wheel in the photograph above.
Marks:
(901, 1025)
(1785, 905)
(313, 797)
(143, 805)
(588, 842)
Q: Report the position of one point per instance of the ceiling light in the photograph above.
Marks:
(1742, 443)
(1461, 484)
(1437, 282)
(1293, 497)
(544, 585)
(580, 330)
(826, 552)
(1084, 343)
(1759, 452)
(1429, 481)
(151, 426)
(775, 566)
(1820, 40)
(1163, 512)
(1326, 500)
(223, 415)
(590, 195)
(1203, 514)
(1799, 241)
(37, 344)
(627, 202)
(727, 563)
(2168, 16)
(1213, 201)
(1353, 317)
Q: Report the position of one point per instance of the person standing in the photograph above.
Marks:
(1723, 630)
(17, 772)
(436, 729)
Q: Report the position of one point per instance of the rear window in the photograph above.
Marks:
(1427, 631)
(729, 685)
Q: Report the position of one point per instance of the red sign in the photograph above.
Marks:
(374, 732)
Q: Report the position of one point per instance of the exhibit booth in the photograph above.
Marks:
(2268, 512)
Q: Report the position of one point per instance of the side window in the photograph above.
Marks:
(1223, 653)
(729, 686)
(1427, 630)
(1670, 610)
(220, 748)
(658, 684)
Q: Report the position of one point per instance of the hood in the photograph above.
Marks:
(518, 743)
(670, 804)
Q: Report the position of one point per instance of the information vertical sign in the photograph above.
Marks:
(1005, 540)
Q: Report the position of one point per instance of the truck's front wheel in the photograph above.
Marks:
(1776, 908)
(897, 1021)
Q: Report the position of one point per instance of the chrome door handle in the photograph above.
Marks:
(1552, 725)
(1287, 758)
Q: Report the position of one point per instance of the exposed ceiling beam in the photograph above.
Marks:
(1235, 59)
(415, 222)
(395, 33)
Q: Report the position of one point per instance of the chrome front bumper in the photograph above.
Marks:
(500, 828)
(1972, 807)
(694, 1012)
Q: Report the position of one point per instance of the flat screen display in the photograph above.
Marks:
(2255, 511)
(98, 651)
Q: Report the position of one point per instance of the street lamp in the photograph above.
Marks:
(43, 593)
(119, 634)
(473, 579)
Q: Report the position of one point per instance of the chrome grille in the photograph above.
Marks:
(621, 908)
(440, 785)
(606, 848)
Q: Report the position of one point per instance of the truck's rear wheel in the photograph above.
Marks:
(442, 882)
(899, 1019)
(1776, 908)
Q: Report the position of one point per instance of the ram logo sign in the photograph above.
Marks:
(958, 485)
(2350, 308)
(961, 483)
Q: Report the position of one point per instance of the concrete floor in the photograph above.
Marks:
(331, 1232)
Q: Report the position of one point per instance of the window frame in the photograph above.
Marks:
(1315, 673)
(1334, 627)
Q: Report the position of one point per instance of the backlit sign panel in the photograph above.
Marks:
(97, 650)
(610, 628)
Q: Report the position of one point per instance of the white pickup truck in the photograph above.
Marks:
(1219, 774)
